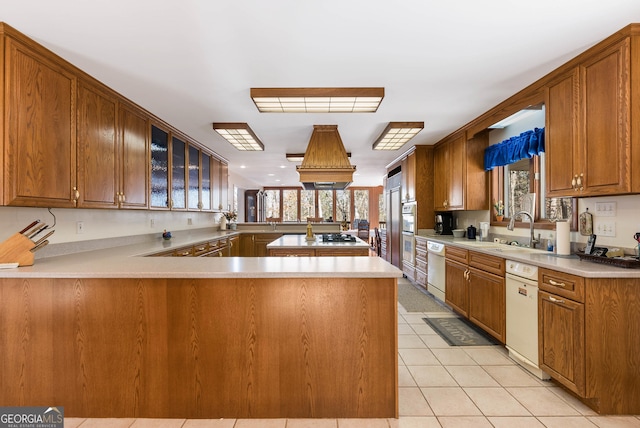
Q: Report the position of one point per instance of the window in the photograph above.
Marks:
(361, 204)
(343, 205)
(272, 203)
(308, 204)
(325, 203)
(290, 205)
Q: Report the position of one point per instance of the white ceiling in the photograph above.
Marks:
(193, 62)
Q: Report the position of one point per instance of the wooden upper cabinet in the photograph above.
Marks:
(193, 175)
(98, 184)
(460, 182)
(159, 182)
(205, 172)
(409, 178)
(40, 134)
(134, 158)
(224, 186)
(588, 143)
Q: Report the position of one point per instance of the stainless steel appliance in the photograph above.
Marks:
(444, 224)
(522, 315)
(436, 269)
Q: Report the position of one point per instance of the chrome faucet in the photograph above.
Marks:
(532, 240)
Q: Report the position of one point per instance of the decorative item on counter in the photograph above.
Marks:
(637, 238)
(310, 236)
(499, 206)
(585, 223)
(19, 247)
(563, 241)
(166, 235)
(484, 230)
(228, 218)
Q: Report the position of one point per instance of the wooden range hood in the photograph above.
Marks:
(325, 165)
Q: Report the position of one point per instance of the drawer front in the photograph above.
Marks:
(201, 249)
(421, 254)
(487, 263)
(421, 244)
(455, 253)
(421, 278)
(183, 252)
(421, 264)
(562, 284)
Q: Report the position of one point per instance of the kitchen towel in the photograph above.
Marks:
(563, 242)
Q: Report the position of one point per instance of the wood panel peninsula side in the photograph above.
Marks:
(223, 337)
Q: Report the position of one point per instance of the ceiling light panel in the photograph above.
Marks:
(240, 136)
(317, 100)
(397, 134)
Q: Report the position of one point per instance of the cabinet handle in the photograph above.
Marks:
(557, 284)
(580, 181)
(554, 300)
(124, 199)
(574, 182)
(76, 195)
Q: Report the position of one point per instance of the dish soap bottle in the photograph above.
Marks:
(550, 242)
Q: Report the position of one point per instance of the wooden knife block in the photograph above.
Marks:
(17, 248)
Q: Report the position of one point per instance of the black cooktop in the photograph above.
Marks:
(338, 237)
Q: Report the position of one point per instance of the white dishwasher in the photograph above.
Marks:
(522, 315)
(436, 269)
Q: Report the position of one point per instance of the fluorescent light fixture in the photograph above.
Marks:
(298, 157)
(317, 100)
(396, 134)
(239, 135)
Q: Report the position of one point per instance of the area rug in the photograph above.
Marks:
(415, 300)
(459, 332)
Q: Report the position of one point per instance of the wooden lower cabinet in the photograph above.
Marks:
(201, 348)
(260, 242)
(588, 338)
(457, 289)
(487, 302)
(234, 246)
(292, 252)
(318, 252)
(562, 355)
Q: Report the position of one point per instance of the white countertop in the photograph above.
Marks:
(569, 264)
(129, 262)
(300, 241)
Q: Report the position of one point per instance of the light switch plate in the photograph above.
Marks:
(605, 228)
(605, 209)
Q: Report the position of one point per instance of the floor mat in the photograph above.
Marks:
(414, 300)
(459, 332)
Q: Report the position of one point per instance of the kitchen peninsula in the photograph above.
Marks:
(110, 333)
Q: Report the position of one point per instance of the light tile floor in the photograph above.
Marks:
(440, 386)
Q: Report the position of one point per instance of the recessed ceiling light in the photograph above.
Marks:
(396, 135)
(239, 135)
(317, 100)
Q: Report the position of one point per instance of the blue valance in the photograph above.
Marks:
(523, 146)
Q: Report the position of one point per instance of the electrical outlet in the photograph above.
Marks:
(79, 227)
(606, 228)
(189, 221)
(605, 209)
(152, 223)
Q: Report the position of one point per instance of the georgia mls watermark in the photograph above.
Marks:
(31, 417)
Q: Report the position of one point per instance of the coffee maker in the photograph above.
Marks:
(444, 224)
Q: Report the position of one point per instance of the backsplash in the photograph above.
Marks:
(624, 219)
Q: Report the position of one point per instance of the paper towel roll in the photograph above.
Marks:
(563, 242)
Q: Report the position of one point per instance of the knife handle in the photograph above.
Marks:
(22, 232)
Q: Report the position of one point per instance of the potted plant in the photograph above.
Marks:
(499, 206)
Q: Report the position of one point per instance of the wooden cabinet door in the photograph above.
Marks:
(234, 246)
(457, 173)
(457, 287)
(40, 136)
(134, 158)
(224, 186)
(441, 177)
(409, 178)
(605, 89)
(487, 302)
(216, 185)
(97, 162)
(561, 133)
(193, 183)
(561, 340)
(260, 243)
(159, 182)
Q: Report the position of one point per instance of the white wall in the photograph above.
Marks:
(99, 224)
